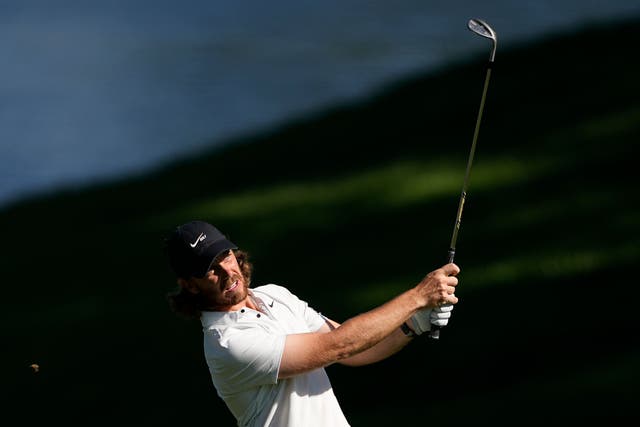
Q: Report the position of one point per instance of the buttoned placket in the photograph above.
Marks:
(263, 309)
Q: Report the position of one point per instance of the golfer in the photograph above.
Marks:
(266, 349)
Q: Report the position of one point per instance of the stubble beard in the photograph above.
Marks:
(237, 295)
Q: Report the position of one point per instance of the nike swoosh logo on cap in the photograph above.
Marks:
(200, 238)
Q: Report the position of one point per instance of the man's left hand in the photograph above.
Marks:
(423, 319)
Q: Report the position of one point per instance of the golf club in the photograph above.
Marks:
(483, 29)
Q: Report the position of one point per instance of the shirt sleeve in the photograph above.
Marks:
(244, 357)
(314, 319)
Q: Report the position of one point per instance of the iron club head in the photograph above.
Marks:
(483, 29)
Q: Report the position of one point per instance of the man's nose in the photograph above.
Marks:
(225, 270)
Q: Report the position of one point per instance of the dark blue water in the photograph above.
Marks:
(92, 90)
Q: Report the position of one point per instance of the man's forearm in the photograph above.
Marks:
(385, 348)
(375, 334)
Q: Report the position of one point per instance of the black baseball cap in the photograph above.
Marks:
(193, 246)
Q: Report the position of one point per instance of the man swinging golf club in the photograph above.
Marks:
(266, 349)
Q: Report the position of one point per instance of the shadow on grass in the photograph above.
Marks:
(348, 209)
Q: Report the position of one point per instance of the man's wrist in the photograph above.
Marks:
(407, 330)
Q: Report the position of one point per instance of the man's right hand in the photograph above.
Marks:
(438, 287)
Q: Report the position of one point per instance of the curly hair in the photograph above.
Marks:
(189, 305)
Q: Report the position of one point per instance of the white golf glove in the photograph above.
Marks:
(438, 316)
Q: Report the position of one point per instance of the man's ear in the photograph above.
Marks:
(188, 285)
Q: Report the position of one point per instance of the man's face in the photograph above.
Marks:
(223, 286)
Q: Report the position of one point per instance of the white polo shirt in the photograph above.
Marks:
(243, 351)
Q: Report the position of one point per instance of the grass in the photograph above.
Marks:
(348, 208)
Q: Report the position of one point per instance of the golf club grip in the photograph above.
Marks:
(434, 333)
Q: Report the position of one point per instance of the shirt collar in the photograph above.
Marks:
(212, 319)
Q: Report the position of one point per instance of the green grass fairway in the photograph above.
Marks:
(348, 208)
